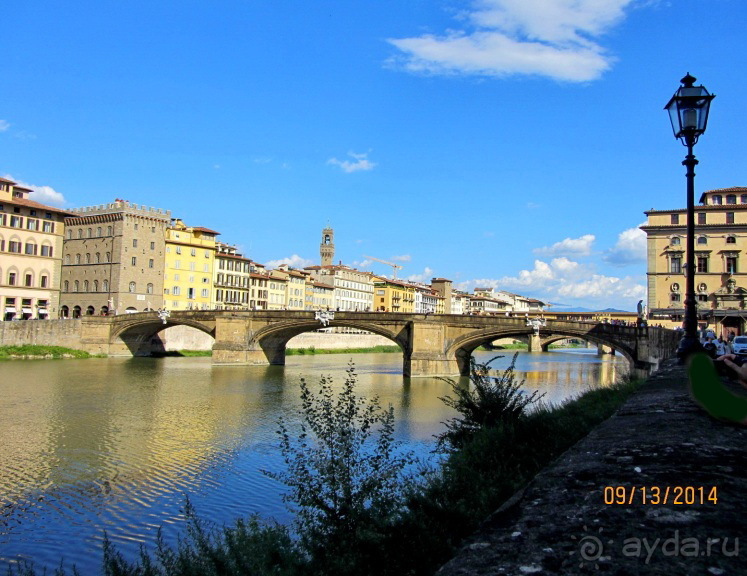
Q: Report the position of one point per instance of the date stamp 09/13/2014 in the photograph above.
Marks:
(660, 495)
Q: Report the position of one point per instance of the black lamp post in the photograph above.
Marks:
(688, 111)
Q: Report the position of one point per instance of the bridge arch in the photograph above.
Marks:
(138, 332)
(463, 347)
(272, 339)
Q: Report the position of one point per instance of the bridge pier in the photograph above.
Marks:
(426, 355)
(535, 343)
(603, 349)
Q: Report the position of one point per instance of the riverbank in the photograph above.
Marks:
(588, 511)
(30, 352)
(313, 350)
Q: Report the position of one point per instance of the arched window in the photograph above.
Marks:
(90, 233)
(76, 286)
(676, 241)
(149, 289)
(702, 240)
(743, 198)
(69, 234)
(731, 198)
(88, 258)
(106, 285)
(108, 230)
(80, 233)
(67, 286)
(731, 239)
(108, 256)
(77, 258)
(67, 258)
(95, 285)
(90, 311)
(98, 257)
(132, 286)
(85, 286)
(98, 231)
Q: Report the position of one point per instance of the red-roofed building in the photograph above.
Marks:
(31, 246)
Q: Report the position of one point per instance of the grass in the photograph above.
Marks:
(29, 351)
(185, 353)
(312, 350)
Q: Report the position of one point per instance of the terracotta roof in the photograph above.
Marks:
(6, 181)
(38, 206)
(206, 230)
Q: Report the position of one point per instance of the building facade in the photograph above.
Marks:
(31, 248)
(231, 279)
(720, 266)
(188, 267)
(113, 259)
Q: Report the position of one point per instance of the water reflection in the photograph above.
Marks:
(115, 444)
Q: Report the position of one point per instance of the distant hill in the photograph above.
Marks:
(582, 309)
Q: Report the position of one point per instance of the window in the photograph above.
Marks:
(731, 239)
(193, 252)
(702, 240)
(702, 297)
(88, 258)
(716, 199)
(76, 286)
(676, 298)
(28, 280)
(730, 217)
(46, 251)
(177, 264)
(44, 281)
(151, 263)
(178, 249)
(98, 257)
(135, 225)
(192, 266)
(702, 264)
(743, 199)
(48, 227)
(152, 245)
(98, 231)
(16, 222)
(108, 256)
(165, 291)
(675, 265)
(105, 285)
(701, 218)
(134, 242)
(176, 291)
(731, 198)
(132, 287)
(32, 224)
(149, 289)
(67, 286)
(207, 253)
(675, 219)
(77, 258)
(90, 233)
(14, 247)
(109, 231)
(69, 233)
(80, 233)
(30, 249)
(86, 286)
(204, 292)
(95, 285)
(676, 241)
(731, 264)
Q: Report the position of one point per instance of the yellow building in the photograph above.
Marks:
(721, 272)
(31, 239)
(277, 287)
(393, 295)
(188, 270)
(231, 279)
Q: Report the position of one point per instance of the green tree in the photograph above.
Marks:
(346, 475)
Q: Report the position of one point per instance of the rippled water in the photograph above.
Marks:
(116, 444)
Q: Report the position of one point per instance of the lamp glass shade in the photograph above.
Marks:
(688, 110)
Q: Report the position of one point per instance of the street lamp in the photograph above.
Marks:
(688, 112)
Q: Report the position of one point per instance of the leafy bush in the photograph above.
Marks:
(489, 402)
(346, 476)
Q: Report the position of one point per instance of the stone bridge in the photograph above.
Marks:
(431, 344)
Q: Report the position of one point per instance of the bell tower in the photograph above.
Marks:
(327, 247)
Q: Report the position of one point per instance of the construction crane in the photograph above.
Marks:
(394, 266)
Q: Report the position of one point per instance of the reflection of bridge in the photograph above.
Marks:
(431, 344)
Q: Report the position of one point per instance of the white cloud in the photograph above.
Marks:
(402, 258)
(425, 277)
(4, 125)
(562, 279)
(362, 264)
(294, 261)
(361, 163)
(570, 246)
(552, 38)
(629, 249)
(41, 194)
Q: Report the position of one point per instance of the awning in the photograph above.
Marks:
(26, 310)
(43, 311)
(10, 310)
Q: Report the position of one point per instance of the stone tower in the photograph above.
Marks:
(327, 247)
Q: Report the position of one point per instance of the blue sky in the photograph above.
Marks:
(512, 143)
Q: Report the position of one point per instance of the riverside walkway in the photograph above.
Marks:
(659, 439)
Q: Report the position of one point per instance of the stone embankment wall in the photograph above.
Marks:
(186, 338)
(41, 332)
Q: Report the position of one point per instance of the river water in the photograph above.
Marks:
(116, 444)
